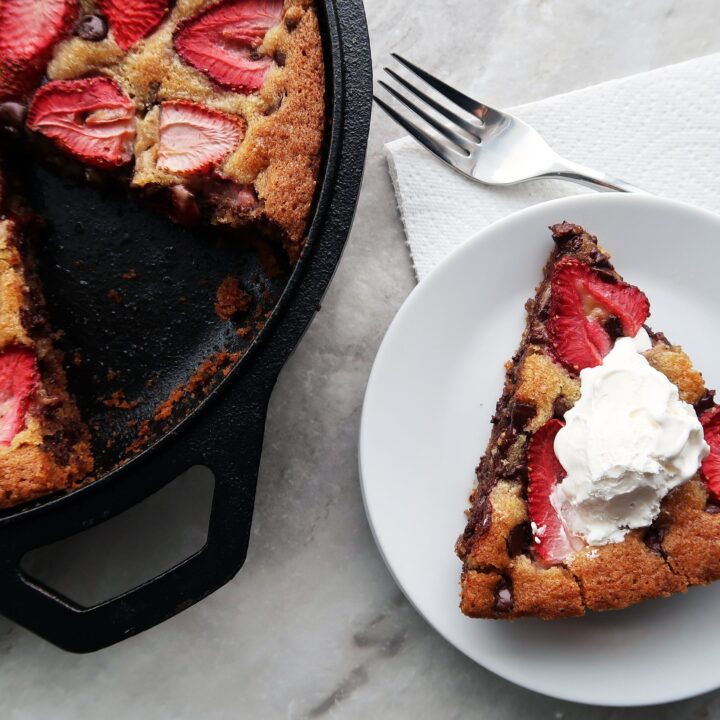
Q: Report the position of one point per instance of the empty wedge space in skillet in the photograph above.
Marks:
(207, 132)
(520, 556)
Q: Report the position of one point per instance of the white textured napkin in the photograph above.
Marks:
(659, 130)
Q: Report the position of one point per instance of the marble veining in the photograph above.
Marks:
(314, 626)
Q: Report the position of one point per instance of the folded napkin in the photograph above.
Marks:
(658, 130)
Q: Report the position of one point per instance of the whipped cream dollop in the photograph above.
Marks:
(626, 443)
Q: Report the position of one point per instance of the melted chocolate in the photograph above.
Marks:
(560, 406)
(653, 538)
(712, 507)
(705, 403)
(12, 114)
(504, 601)
(519, 540)
(613, 327)
(92, 27)
(522, 413)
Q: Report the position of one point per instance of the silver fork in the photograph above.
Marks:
(484, 144)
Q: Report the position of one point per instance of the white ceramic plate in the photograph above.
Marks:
(425, 423)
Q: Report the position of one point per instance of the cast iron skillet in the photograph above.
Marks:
(134, 296)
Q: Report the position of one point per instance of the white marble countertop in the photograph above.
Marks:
(314, 626)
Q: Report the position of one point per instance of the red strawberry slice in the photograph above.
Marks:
(628, 303)
(91, 118)
(545, 471)
(28, 32)
(579, 341)
(222, 42)
(133, 20)
(711, 464)
(581, 301)
(193, 138)
(19, 379)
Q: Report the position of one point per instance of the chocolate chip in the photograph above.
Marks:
(653, 539)
(538, 334)
(607, 274)
(152, 95)
(657, 337)
(706, 402)
(564, 230)
(503, 596)
(613, 327)
(601, 263)
(519, 540)
(186, 210)
(712, 507)
(92, 27)
(560, 406)
(12, 114)
(522, 412)
(517, 471)
(480, 519)
(572, 244)
(280, 58)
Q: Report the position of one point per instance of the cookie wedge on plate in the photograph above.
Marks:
(600, 485)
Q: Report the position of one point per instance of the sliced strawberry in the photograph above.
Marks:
(28, 32)
(579, 341)
(18, 381)
(91, 118)
(545, 471)
(222, 42)
(193, 138)
(133, 20)
(628, 303)
(581, 301)
(711, 464)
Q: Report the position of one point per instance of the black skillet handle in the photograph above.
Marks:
(228, 439)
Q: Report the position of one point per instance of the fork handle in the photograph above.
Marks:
(567, 170)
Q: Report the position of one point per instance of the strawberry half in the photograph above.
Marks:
(545, 472)
(28, 32)
(711, 464)
(92, 118)
(193, 138)
(222, 42)
(133, 20)
(19, 379)
(581, 302)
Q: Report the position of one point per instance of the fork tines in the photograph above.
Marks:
(464, 133)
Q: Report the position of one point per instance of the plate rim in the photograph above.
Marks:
(425, 286)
